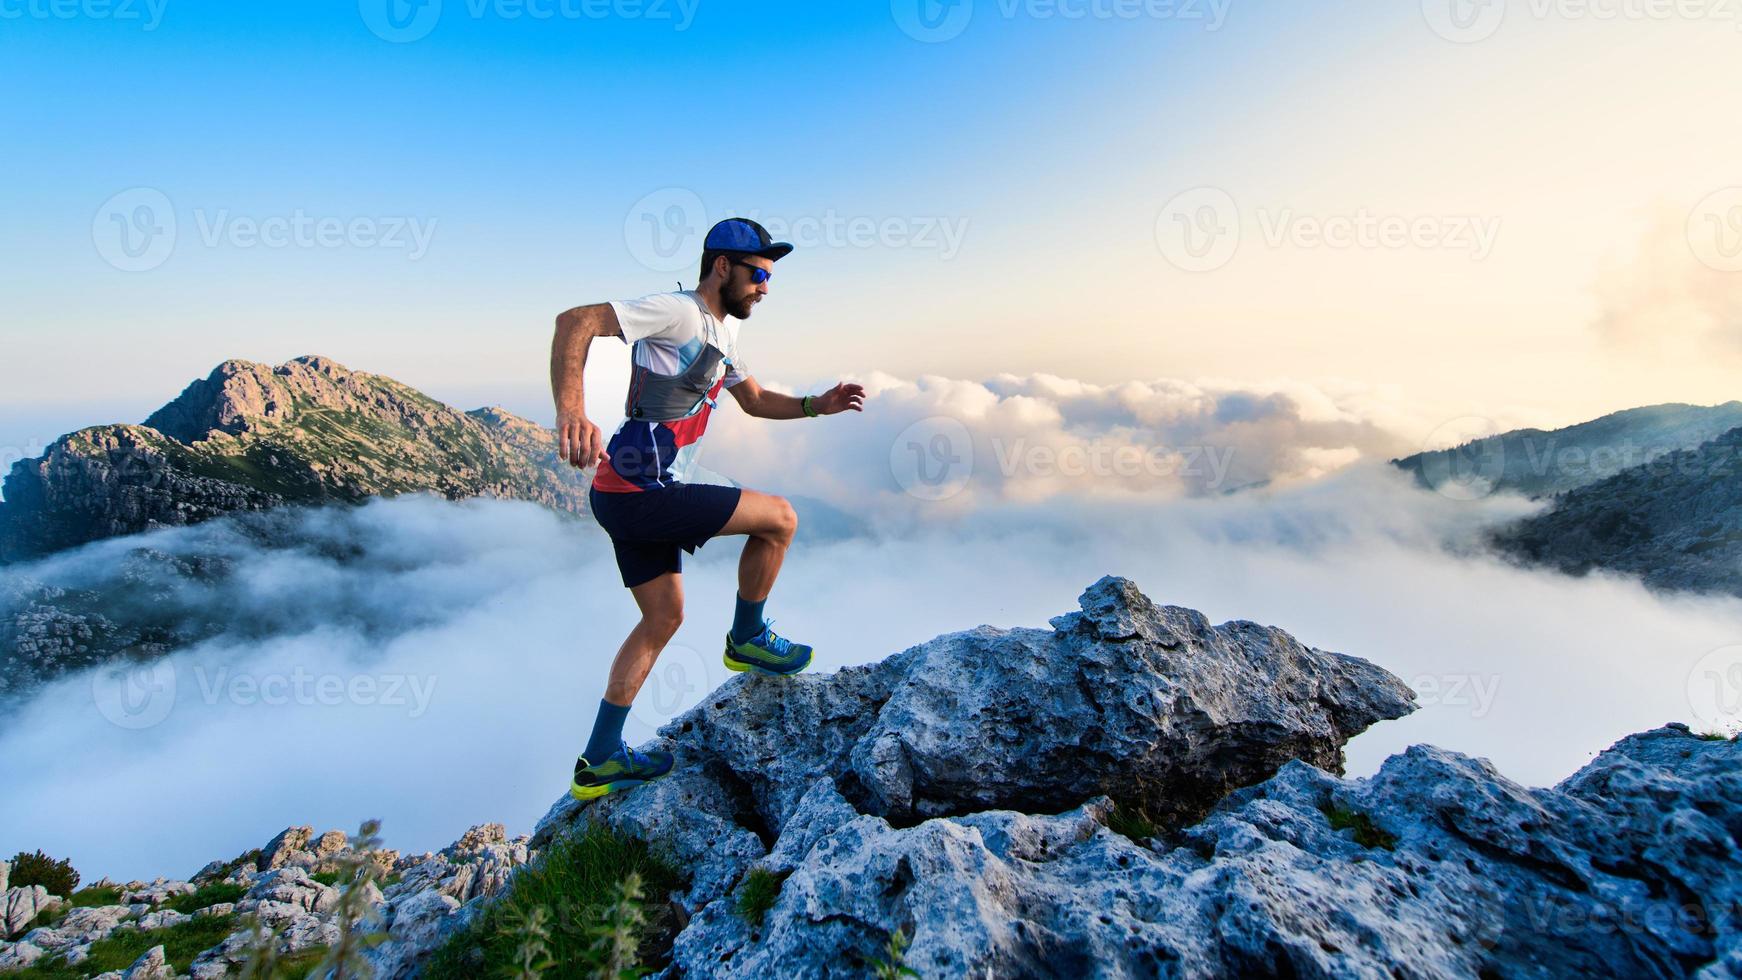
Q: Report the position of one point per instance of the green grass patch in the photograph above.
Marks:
(90, 898)
(297, 965)
(1367, 834)
(575, 880)
(206, 895)
(758, 893)
(1716, 736)
(1132, 820)
(329, 878)
(181, 943)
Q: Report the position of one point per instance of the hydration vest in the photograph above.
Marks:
(655, 397)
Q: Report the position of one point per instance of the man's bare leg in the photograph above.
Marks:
(661, 602)
(771, 523)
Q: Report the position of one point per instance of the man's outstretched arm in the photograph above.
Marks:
(579, 441)
(761, 403)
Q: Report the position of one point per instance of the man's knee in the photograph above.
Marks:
(663, 622)
(786, 520)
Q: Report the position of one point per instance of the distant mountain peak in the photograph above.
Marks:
(250, 436)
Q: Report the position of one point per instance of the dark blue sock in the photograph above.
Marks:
(747, 622)
(607, 731)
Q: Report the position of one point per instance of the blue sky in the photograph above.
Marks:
(526, 150)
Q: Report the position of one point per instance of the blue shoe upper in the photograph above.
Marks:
(772, 641)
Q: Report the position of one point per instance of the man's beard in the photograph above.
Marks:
(740, 307)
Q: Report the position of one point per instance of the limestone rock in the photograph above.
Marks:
(1149, 703)
(153, 964)
(22, 904)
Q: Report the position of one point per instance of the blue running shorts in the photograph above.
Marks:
(650, 529)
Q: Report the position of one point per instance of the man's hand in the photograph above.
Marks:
(579, 441)
(840, 398)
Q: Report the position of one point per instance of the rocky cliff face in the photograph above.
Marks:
(251, 436)
(978, 793)
(1675, 522)
(1538, 463)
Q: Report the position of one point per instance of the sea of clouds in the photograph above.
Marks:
(437, 664)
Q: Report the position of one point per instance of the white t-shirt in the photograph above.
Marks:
(668, 331)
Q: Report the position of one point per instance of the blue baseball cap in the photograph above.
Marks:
(746, 236)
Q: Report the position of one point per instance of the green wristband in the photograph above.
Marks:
(808, 410)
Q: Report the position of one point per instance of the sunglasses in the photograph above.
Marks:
(758, 275)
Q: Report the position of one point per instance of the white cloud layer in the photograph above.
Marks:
(444, 660)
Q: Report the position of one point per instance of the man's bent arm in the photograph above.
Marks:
(578, 440)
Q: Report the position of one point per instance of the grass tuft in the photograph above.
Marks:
(893, 965)
(758, 893)
(181, 943)
(1367, 834)
(206, 895)
(1132, 820)
(579, 879)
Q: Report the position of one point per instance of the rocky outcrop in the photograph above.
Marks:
(18, 906)
(1435, 867)
(251, 437)
(1123, 699)
(426, 897)
(1210, 834)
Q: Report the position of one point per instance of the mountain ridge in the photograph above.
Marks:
(251, 436)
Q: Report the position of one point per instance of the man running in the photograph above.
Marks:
(685, 351)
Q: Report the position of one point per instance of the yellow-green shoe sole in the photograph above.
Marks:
(597, 790)
(741, 666)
